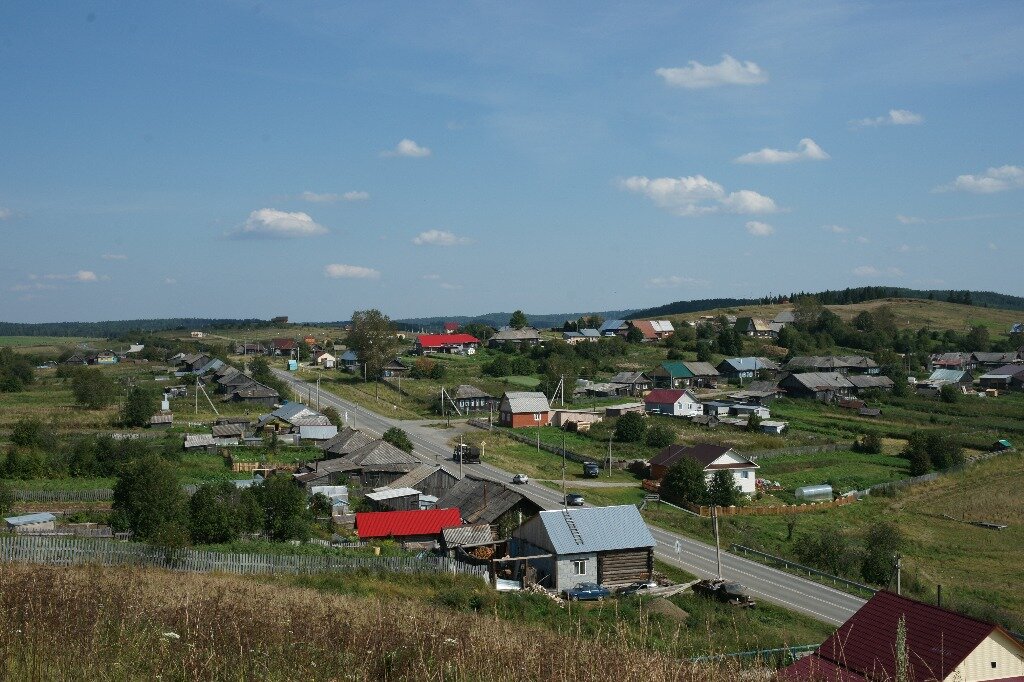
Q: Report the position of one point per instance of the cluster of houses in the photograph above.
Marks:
(104, 357)
(992, 371)
(227, 381)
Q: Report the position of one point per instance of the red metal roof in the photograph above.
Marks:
(451, 326)
(864, 646)
(406, 523)
(440, 340)
(664, 395)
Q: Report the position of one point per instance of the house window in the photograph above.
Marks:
(536, 416)
(579, 567)
(744, 474)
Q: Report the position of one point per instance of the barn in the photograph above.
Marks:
(605, 545)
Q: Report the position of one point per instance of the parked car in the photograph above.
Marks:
(521, 478)
(591, 469)
(586, 591)
(633, 588)
(574, 500)
(724, 591)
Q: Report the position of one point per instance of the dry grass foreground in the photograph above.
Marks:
(128, 624)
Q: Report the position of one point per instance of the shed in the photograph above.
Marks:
(195, 441)
(395, 499)
(421, 525)
(29, 523)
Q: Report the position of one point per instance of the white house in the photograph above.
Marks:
(326, 360)
(676, 402)
(712, 458)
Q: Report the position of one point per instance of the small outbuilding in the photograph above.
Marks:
(30, 523)
(814, 493)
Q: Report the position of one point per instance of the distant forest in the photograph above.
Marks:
(120, 328)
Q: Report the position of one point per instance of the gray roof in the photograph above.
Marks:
(785, 317)
(349, 356)
(348, 440)
(416, 476)
(467, 391)
(318, 432)
(821, 381)
(590, 333)
(26, 519)
(611, 326)
(381, 452)
(467, 535)
(629, 378)
(381, 494)
(198, 440)
(162, 419)
(594, 529)
(255, 390)
(750, 364)
(291, 410)
(994, 358)
(521, 402)
(951, 376)
(1004, 371)
(701, 369)
(480, 501)
(210, 366)
(228, 430)
(315, 420)
(865, 381)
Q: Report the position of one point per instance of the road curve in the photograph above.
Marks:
(764, 582)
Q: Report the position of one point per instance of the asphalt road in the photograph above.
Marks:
(763, 582)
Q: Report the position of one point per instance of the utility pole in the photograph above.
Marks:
(462, 456)
(538, 438)
(898, 558)
(610, 454)
(563, 468)
(718, 546)
(197, 395)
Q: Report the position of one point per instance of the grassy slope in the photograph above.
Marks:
(910, 314)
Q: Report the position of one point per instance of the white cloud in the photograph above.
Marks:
(907, 248)
(340, 271)
(332, 198)
(729, 71)
(895, 117)
(114, 256)
(807, 150)
(991, 181)
(909, 220)
(862, 240)
(438, 238)
(407, 148)
(992, 246)
(696, 195)
(835, 229)
(269, 223)
(170, 280)
(80, 276)
(6, 213)
(759, 229)
(872, 271)
(450, 286)
(675, 281)
(431, 277)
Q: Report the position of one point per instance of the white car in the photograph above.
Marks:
(521, 478)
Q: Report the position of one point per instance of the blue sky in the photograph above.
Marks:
(239, 159)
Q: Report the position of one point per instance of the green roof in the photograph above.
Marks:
(677, 370)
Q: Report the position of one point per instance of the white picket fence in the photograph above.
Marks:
(76, 551)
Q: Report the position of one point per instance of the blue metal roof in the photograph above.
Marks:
(26, 519)
(611, 326)
(596, 529)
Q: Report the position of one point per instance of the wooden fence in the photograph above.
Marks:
(78, 551)
(796, 450)
(554, 449)
(85, 495)
(772, 509)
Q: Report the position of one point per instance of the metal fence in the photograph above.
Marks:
(78, 551)
(800, 568)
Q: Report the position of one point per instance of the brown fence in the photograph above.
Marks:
(772, 510)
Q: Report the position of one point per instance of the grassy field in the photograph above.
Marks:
(910, 314)
(980, 569)
(978, 422)
(844, 470)
(46, 345)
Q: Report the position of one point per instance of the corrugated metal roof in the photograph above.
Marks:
(162, 419)
(227, 430)
(870, 381)
(678, 370)
(666, 396)
(480, 501)
(405, 523)
(750, 364)
(314, 420)
(467, 391)
(381, 494)
(442, 340)
(820, 381)
(611, 326)
(467, 535)
(527, 401)
(381, 452)
(26, 519)
(701, 369)
(629, 378)
(318, 432)
(416, 476)
(527, 334)
(294, 410)
(594, 529)
(347, 441)
(198, 440)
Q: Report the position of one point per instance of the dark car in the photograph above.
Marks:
(586, 591)
(591, 469)
(724, 591)
(574, 500)
(633, 589)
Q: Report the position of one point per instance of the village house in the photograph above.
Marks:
(825, 387)
(582, 336)
(450, 327)
(420, 526)
(634, 383)
(605, 545)
(613, 328)
(1007, 376)
(746, 368)
(941, 377)
(249, 348)
(963, 361)
(939, 644)
(254, 393)
(459, 344)
(653, 330)
(483, 501)
(868, 382)
(471, 399)
(671, 374)
(843, 364)
(711, 458)
(524, 408)
(282, 346)
(393, 498)
(395, 368)
(349, 361)
(289, 417)
(432, 480)
(347, 441)
(527, 336)
(755, 327)
(380, 463)
(674, 402)
(990, 360)
(324, 360)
